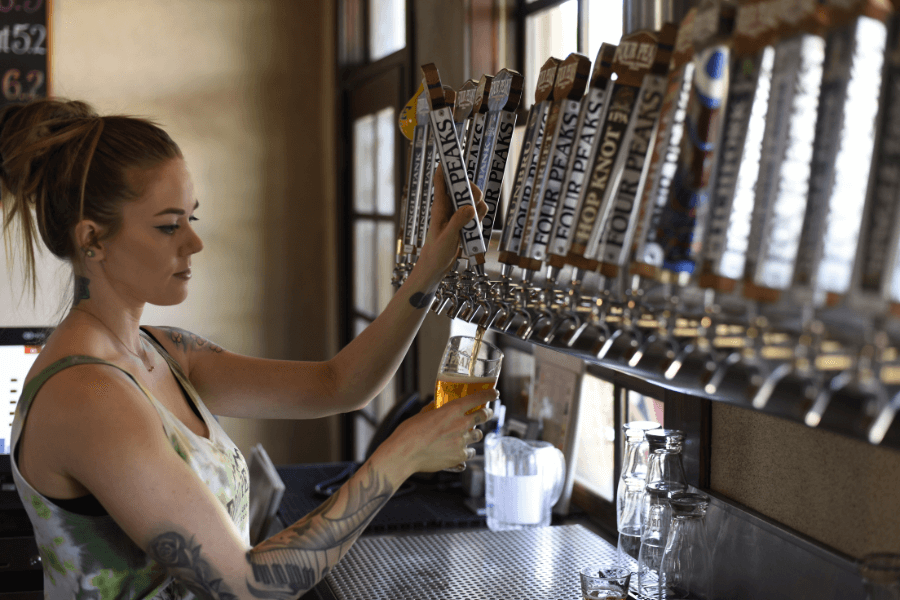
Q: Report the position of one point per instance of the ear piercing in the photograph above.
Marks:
(89, 253)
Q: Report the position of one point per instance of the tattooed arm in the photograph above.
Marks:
(241, 386)
(293, 561)
(98, 430)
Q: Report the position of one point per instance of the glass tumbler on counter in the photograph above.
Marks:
(881, 575)
(631, 489)
(656, 517)
(686, 564)
(468, 365)
(604, 582)
(665, 462)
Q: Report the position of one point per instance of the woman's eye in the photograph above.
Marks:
(170, 229)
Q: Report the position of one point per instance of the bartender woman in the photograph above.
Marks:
(132, 487)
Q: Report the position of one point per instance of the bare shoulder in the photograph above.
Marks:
(77, 417)
(183, 345)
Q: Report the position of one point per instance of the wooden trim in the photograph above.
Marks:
(692, 415)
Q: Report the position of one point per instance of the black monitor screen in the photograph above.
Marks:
(19, 348)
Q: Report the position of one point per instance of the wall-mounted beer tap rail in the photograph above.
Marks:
(713, 206)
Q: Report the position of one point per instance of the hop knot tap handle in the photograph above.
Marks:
(451, 157)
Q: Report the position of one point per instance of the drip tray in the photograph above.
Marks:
(474, 565)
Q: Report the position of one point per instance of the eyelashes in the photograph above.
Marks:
(170, 229)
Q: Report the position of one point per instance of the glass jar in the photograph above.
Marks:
(631, 488)
(635, 463)
(685, 569)
(656, 518)
(665, 457)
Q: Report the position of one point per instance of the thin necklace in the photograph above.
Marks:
(143, 358)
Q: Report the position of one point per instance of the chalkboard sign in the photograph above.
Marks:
(24, 50)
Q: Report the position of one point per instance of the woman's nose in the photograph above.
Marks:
(193, 244)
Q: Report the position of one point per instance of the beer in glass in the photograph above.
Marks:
(469, 365)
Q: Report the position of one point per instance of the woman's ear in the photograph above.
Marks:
(87, 240)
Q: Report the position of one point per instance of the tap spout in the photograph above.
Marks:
(462, 309)
(572, 320)
(448, 301)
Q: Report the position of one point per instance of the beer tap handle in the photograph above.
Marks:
(737, 169)
(568, 90)
(506, 93)
(591, 115)
(518, 208)
(475, 132)
(449, 151)
(649, 238)
(616, 231)
(712, 29)
(419, 179)
(633, 58)
(548, 76)
(462, 110)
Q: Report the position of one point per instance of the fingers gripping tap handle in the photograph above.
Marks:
(451, 157)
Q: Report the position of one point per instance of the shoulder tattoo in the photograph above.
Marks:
(185, 340)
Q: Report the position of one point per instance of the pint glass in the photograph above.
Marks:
(469, 365)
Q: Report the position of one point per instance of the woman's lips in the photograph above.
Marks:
(184, 274)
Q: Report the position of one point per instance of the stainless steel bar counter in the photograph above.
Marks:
(525, 564)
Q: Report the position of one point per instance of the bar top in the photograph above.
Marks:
(471, 565)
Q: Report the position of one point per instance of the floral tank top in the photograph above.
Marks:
(90, 556)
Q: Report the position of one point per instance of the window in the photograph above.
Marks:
(550, 32)
(387, 27)
(558, 28)
(374, 63)
(369, 30)
(596, 464)
(372, 241)
(643, 408)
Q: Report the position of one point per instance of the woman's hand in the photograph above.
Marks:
(438, 439)
(441, 247)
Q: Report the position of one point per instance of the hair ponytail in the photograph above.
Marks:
(60, 162)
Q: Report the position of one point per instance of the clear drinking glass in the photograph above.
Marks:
(468, 365)
(881, 576)
(631, 488)
(656, 518)
(604, 582)
(685, 567)
(631, 494)
(665, 462)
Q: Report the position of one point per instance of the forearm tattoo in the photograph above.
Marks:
(185, 340)
(294, 560)
(184, 559)
(421, 299)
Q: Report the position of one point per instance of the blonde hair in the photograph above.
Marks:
(60, 163)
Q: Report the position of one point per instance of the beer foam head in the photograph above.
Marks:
(459, 378)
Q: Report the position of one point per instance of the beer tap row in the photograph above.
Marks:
(714, 205)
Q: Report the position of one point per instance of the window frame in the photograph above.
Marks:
(352, 78)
